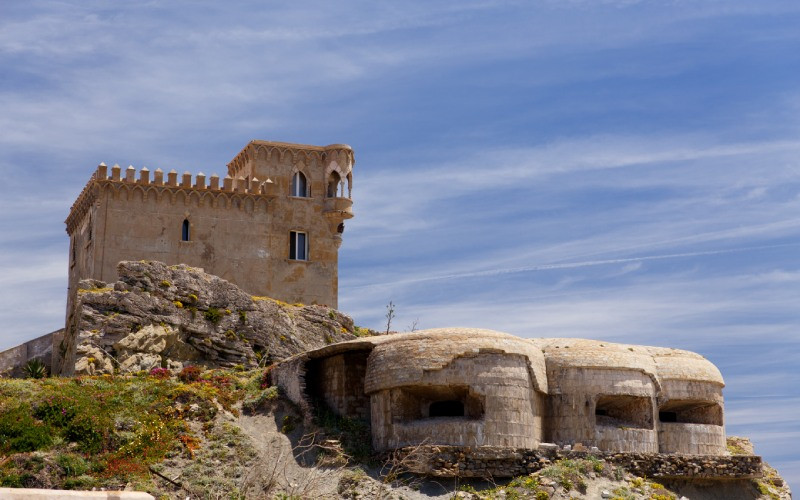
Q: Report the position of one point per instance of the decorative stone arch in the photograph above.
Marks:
(220, 200)
(193, 199)
(249, 205)
(152, 193)
(116, 190)
(236, 201)
(207, 198)
(137, 193)
(178, 195)
(300, 168)
(335, 178)
(260, 204)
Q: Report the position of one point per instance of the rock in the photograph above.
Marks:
(153, 339)
(139, 361)
(93, 361)
(172, 316)
(605, 494)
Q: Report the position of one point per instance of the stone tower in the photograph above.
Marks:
(273, 225)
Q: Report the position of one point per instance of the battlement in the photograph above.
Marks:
(158, 184)
(341, 155)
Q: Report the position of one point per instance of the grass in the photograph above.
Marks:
(107, 431)
(354, 435)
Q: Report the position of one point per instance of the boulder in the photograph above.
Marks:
(172, 316)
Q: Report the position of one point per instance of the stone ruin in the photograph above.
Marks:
(472, 389)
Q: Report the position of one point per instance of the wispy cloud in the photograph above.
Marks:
(618, 169)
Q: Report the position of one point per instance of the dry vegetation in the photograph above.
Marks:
(211, 434)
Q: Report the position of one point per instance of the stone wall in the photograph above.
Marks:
(497, 462)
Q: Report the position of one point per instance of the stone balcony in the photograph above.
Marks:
(338, 208)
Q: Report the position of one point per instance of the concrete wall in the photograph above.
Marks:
(339, 381)
(573, 404)
(39, 494)
(501, 406)
(698, 406)
(12, 360)
(692, 439)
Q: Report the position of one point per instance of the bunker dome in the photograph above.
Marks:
(482, 388)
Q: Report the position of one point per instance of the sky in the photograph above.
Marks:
(618, 170)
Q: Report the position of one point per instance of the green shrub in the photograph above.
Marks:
(255, 402)
(82, 482)
(213, 315)
(353, 434)
(79, 420)
(11, 480)
(72, 464)
(89, 433)
(19, 432)
(34, 368)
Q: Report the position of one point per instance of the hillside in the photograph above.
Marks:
(226, 433)
(167, 387)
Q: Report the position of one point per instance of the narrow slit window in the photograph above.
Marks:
(299, 185)
(298, 246)
(185, 230)
(451, 408)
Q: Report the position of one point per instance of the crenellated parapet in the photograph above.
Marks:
(334, 157)
(197, 190)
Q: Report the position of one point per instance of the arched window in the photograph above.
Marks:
(185, 230)
(299, 185)
(333, 184)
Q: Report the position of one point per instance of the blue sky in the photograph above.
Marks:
(619, 170)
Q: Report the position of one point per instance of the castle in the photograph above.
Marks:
(272, 225)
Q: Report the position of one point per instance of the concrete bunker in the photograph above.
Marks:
(479, 388)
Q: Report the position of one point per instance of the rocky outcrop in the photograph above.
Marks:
(171, 316)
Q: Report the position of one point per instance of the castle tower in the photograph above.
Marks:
(272, 225)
